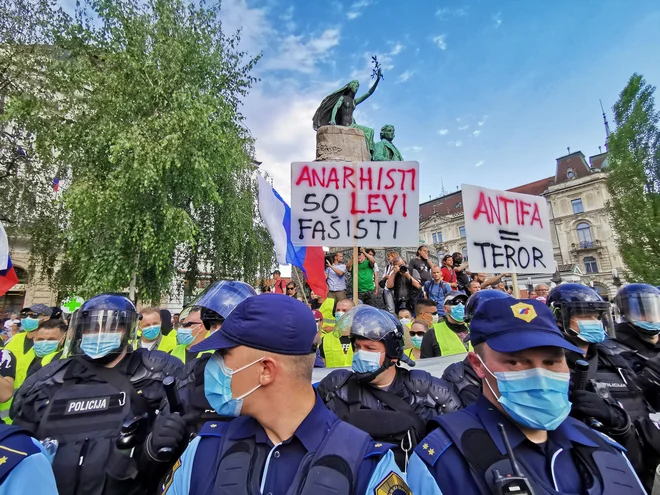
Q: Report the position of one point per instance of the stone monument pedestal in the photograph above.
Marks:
(336, 143)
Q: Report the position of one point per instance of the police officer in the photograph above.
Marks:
(24, 464)
(519, 356)
(284, 439)
(463, 379)
(100, 405)
(378, 396)
(219, 299)
(639, 309)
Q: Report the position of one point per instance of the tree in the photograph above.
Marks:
(146, 121)
(634, 180)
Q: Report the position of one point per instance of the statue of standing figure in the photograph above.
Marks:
(338, 108)
(385, 151)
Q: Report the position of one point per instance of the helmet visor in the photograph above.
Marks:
(223, 296)
(101, 329)
(366, 322)
(641, 306)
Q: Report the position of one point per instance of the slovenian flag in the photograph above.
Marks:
(8, 276)
(56, 184)
(277, 217)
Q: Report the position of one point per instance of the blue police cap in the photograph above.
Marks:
(270, 322)
(511, 325)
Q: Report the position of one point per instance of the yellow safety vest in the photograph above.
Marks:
(334, 352)
(23, 361)
(180, 352)
(49, 357)
(326, 310)
(448, 341)
(168, 342)
(409, 352)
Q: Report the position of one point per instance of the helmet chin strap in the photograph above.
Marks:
(368, 377)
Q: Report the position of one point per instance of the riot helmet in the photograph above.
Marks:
(586, 306)
(102, 327)
(639, 305)
(478, 298)
(219, 300)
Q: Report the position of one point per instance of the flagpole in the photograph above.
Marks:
(355, 243)
(302, 288)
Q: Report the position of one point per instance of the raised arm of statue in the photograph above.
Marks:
(333, 116)
(360, 99)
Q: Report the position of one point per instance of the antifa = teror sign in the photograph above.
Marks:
(337, 204)
(507, 232)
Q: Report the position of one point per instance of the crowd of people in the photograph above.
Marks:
(220, 398)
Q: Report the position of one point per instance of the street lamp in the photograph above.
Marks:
(615, 278)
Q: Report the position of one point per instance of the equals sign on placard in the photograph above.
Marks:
(505, 235)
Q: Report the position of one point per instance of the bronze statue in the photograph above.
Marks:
(338, 107)
(385, 151)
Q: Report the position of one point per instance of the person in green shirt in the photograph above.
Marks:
(367, 286)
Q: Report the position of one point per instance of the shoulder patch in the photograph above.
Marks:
(213, 429)
(170, 476)
(431, 448)
(611, 441)
(377, 449)
(393, 484)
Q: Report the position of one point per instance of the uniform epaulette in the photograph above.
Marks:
(431, 448)
(378, 449)
(213, 429)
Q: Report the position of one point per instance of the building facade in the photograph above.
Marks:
(584, 246)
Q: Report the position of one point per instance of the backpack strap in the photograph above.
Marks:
(15, 445)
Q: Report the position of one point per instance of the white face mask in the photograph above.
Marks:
(150, 346)
(435, 319)
(405, 321)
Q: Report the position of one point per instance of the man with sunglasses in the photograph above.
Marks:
(450, 336)
(191, 332)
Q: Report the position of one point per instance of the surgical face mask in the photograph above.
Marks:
(534, 398)
(29, 324)
(649, 327)
(591, 331)
(416, 341)
(185, 336)
(435, 318)
(97, 345)
(339, 314)
(152, 332)
(405, 321)
(45, 347)
(217, 387)
(366, 361)
(150, 346)
(458, 312)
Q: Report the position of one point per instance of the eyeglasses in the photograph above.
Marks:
(318, 321)
(455, 302)
(290, 288)
(190, 324)
(416, 334)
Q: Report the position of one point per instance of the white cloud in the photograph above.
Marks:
(443, 132)
(459, 144)
(253, 23)
(405, 76)
(482, 121)
(445, 13)
(463, 127)
(440, 41)
(479, 163)
(295, 54)
(287, 19)
(497, 18)
(396, 49)
(416, 149)
(356, 9)
(476, 133)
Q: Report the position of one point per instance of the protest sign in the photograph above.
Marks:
(507, 232)
(338, 204)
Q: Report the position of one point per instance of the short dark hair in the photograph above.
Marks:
(371, 251)
(424, 302)
(278, 272)
(48, 324)
(291, 282)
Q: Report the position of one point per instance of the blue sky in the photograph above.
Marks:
(481, 92)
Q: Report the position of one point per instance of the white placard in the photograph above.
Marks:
(507, 232)
(339, 204)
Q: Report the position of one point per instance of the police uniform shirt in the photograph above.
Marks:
(285, 458)
(33, 473)
(552, 463)
(7, 364)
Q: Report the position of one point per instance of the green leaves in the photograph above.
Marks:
(140, 108)
(634, 180)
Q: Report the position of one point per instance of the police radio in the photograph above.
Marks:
(515, 483)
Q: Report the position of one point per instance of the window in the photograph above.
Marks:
(577, 206)
(570, 174)
(437, 238)
(464, 253)
(461, 231)
(584, 235)
(590, 264)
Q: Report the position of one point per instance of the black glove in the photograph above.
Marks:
(591, 405)
(168, 433)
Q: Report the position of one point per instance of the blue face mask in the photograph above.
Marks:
(535, 398)
(97, 345)
(217, 387)
(45, 347)
(591, 331)
(184, 336)
(365, 361)
(29, 324)
(151, 333)
(339, 314)
(458, 312)
(649, 327)
(416, 341)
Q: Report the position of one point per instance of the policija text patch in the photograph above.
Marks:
(80, 406)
